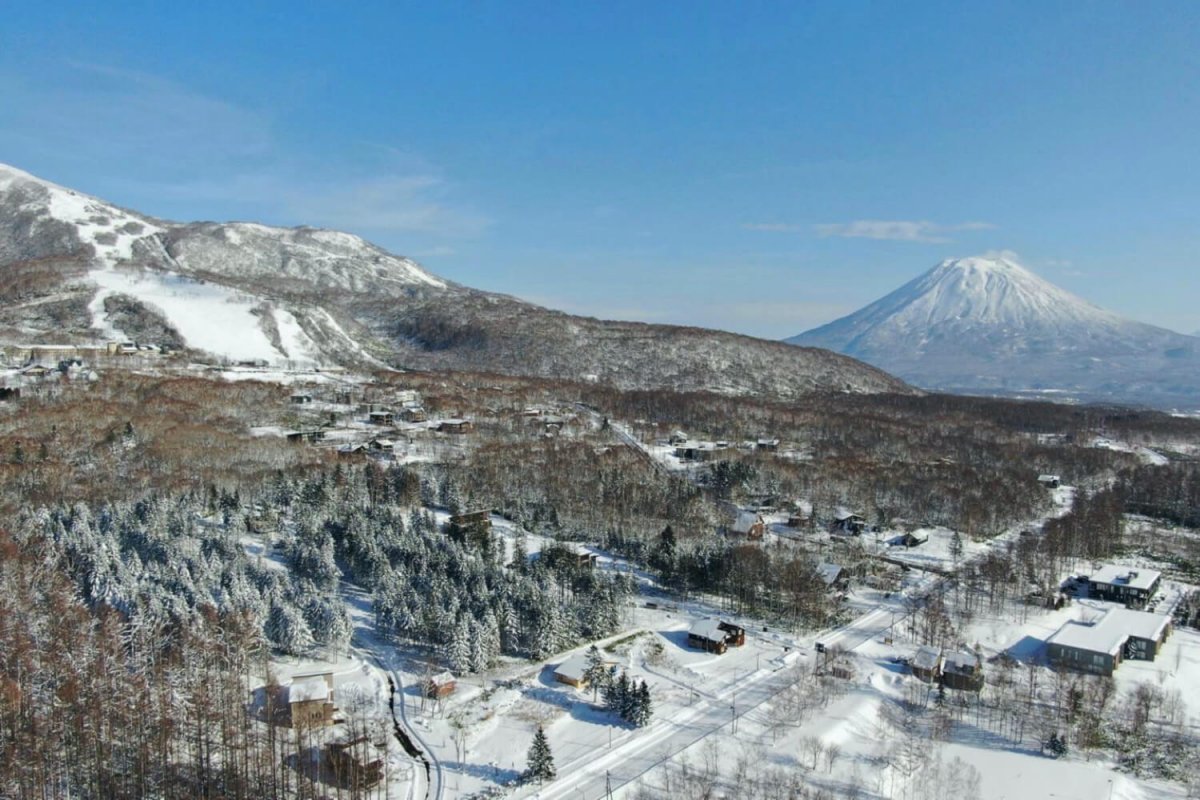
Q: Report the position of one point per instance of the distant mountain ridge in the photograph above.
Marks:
(76, 269)
(988, 324)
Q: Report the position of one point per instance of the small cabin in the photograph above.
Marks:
(925, 663)
(770, 445)
(914, 538)
(310, 700)
(441, 685)
(301, 398)
(715, 636)
(1050, 481)
(573, 671)
(848, 522)
(963, 671)
(455, 426)
(314, 435)
(355, 764)
(381, 418)
(414, 414)
(748, 525)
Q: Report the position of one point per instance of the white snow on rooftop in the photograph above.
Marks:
(709, 629)
(1108, 633)
(1119, 575)
(311, 689)
(573, 668)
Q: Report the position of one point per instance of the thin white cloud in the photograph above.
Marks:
(897, 230)
(212, 158)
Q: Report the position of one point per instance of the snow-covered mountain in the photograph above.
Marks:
(76, 269)
(988, 324)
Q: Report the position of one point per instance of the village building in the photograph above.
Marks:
(962, 670)
(833, 576)
(801, 514)
(1100, 645)
(381, 417)
(747, 525)
(677, 437)
(349, 451)
(846, 521)
(769, 445)
(702, 451)
(573, 671)
(1130, 586)
(313, 435)
(441, 685)
(310, 700)
(301, 398)
(715, 636)
(455, 426)
(925, 663)
(355, 764)
(914, 538)
(1050, 481)
(414, 414)
(382, 445)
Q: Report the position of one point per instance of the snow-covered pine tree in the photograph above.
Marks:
(458, 651)
(596, 674)
(541, 760)
(644, 710)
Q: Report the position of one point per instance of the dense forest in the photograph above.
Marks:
(159, 549)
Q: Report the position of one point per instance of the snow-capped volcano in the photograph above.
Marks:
(75, 269)
(987, 323)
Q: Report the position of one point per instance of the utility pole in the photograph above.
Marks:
(608, 795)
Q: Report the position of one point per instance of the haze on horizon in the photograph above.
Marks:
(757, 169)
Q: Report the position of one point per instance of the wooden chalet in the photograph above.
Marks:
(441, 685)
(801, 514)
(351, 451)
(925, 663)
(312, 435)
(914, 538)
(310, 700)
(414, 414)
(715, 636)
(355, 764)
(748, 525)
(962, 670)
(301, 398)
(381, 417)
(455, 426)
(770, 445)
(1050, 481)
(848, 522)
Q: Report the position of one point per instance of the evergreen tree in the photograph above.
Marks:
(596, 674)
(458, 652)
(541, 760)
(645, 709)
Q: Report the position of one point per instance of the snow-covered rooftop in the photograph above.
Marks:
(311, 689)
(925, 658)
(709, 629)
(745, 521)
(829, 572)
(1119, 575)
(1108, 633)
(573, 668)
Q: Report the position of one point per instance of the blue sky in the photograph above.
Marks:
(756, 167)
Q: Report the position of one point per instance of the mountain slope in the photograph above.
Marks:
(989, 324)
(74, 268)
